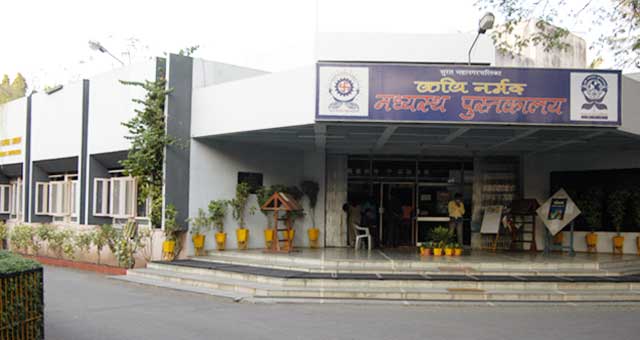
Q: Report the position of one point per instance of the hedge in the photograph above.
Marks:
(21, 298)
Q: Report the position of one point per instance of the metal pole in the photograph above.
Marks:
(114, 57)
(471, 48)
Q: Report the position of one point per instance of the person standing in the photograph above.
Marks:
(354, 218)
(456, 212)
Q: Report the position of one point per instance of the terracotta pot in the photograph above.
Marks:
(437, 251)
(314, 233)
(198, 241)
(638, 245)
(425, 251)
(457, 251)
(558, 238)
(221, 240)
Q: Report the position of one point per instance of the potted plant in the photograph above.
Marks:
(457, 249)
(263, 194)
(296, 194)
(311, 189)
(171, 230)
(425, 248)
(616, 209)
(636, 214)
(217, 212)
(590, 204)
(199, 226)
(439, 236)
(3, 235)
(238, 205)
(448, 249)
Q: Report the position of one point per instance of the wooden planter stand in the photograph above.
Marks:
(283, 237)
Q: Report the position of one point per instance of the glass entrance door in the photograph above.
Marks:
(397, 214)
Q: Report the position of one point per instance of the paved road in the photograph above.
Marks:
(81, 305)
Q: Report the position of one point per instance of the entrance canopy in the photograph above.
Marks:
(458, 140)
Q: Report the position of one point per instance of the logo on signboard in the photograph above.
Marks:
(344, 88)
(594, 97)
(594, 88)
(343, 91)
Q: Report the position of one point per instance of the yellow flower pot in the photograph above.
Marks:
(448, 251)
(198, 241)
(268, 237)
(168, 246)
(618, 243)
(221, 240)
(314, 233)
(592, 239)
(242, 235)
(289, 235)
(457, 251)
(437, 251)
(638, 245)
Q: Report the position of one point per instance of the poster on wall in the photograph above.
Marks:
(468, 94)
(558, 211)
(491, 219)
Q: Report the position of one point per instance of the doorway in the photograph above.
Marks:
(397, 214)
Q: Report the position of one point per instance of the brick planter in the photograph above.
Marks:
(98, 268)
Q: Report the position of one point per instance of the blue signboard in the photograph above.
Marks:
(451, 93)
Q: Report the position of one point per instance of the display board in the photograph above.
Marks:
(437, 93)
(558, 211)
(491, 220)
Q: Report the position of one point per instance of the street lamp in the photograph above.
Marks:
(96, 46)
(486, 23)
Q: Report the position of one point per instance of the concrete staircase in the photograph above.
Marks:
(261, 283)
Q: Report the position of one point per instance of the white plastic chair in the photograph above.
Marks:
(362, 232)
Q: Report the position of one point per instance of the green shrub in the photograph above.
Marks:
(3, 231)
(21, 237)
(10, 263)
(84, 240)
(102, 236)
(440, 236)
(61, 242)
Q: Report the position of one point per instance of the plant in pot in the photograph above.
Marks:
(616, 209)
(457, 249)
(171, 231)
(293, 216)
(199, 226)
(238, 205)
(425, 248)
(448, 249)
(217, 212)
(635, 210)
(590, 204)
(439, 236)
(263, 194)
(311, 189)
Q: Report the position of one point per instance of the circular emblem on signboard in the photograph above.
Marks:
(594, 88)
(344, 87)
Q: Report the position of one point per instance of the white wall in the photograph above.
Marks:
(207, 73)
(214, 172)
(56, 123)
(630, 105)
(13, 123)
(537, 171)
(110, 104)
(263, 102)
(426, 48)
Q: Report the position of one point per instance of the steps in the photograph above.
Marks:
(264, 284)
(426, 266)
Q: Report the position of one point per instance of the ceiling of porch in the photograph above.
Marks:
(365, 138)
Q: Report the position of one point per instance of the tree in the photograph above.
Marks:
(12, 90)
(148, 141)
(618, 19)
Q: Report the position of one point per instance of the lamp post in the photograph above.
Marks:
(96, 46)
(486, 23)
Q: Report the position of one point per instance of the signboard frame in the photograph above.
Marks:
(354, 86)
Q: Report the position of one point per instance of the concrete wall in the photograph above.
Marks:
(336, 224)
(207, 73)
(631, 105)
(56, 123)
(537, 169)
(264, 102)
(214, 173)
(388, 47)
(13, 123)
(110, 104)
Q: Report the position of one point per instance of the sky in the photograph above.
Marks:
(47, 41)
